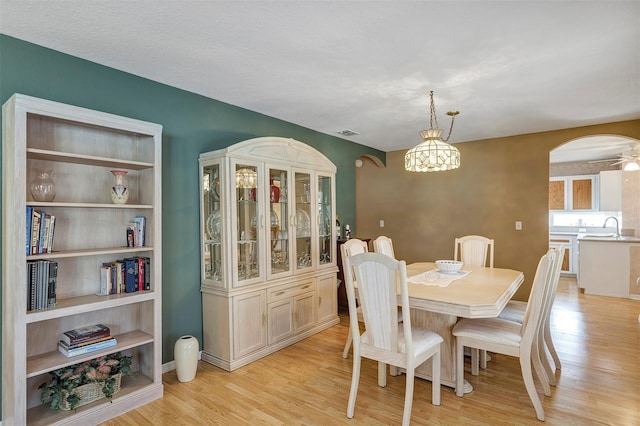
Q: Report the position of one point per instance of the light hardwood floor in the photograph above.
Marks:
(598, 340)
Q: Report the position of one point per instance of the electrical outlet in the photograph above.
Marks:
(518, 225)
(381, 223)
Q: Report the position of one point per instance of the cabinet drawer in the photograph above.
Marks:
(289, 290)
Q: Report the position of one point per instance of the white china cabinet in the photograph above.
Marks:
(268, 248)
(80, 148)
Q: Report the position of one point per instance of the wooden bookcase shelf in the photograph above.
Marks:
(80, 148)
(45, 362)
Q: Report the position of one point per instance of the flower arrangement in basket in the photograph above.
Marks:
(79, 384)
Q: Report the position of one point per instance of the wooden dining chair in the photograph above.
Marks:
(473, 250)
(508, 337)
(515, 311)
(349, 248)
(384, 245)
(385, 340)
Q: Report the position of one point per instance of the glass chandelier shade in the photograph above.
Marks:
(631, 166)
(246, 178)
(434, 154)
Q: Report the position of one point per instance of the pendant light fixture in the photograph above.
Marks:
(434, 154)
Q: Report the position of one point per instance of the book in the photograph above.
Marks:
(50, 233)
(131, 274)
(147, 273)
(105, 280)
(29, 215)
(42, 284)
(35, 230)
(53, 282)
(140, 263)
(140, 222)
(133, 232)
(43, 243)
(86, 349)
(31, 298)
(86, 343)
(83, 334)
(116, 278)
(131, 239)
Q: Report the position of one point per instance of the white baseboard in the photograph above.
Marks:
(166, 367)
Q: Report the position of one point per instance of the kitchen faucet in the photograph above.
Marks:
(617, 225)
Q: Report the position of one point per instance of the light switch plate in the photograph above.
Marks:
(518, 225)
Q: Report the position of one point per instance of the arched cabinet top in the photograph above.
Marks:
(277, 150)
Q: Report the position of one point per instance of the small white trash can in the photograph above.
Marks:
(185, 353)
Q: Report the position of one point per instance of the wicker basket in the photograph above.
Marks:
(90, 392)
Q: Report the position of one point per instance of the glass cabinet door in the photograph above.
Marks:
(212, 229)
(249, 221)
(325, 221)
(279, 249)
(303, 202)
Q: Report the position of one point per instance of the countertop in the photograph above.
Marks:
(607, 238)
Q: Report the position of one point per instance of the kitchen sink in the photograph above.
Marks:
(599, 235)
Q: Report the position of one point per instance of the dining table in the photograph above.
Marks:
(438, 300)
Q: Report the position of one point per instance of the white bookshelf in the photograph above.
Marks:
(81, 147)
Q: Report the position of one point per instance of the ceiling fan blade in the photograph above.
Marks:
(606, 160)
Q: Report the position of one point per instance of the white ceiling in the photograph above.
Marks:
(510, 67)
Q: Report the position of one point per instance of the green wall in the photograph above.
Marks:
(192, 124)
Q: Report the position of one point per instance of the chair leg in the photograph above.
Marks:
(435, 378)
(483, 359)
(549, 343)
(474, 361)
(355, 378)
(527, 376)
(538, 364)
(347, 345)
(382, 374)
(546, 363)
(408, 396)
(459, 369)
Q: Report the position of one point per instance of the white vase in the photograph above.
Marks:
(185, 353)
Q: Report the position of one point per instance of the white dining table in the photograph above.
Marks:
(482, 293)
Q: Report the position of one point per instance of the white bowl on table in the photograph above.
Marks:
(449, 266)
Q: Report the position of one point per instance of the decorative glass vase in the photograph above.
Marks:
(119, 192)
(43, 187)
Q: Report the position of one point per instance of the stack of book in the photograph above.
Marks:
(40, 228)
(136, 230)
(85, 339)
(125, 276)
(42, 280)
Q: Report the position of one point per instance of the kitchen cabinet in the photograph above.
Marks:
(569, 261)
(268, 257)
(573, 193)
(611, 190)
(605, 266)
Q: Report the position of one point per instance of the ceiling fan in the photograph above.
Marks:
(630, 159)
